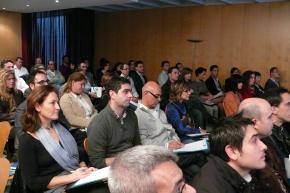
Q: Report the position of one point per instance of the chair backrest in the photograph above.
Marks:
(86, 145)
(5, 128)
(4, 173)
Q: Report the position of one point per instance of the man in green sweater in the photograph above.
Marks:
(115, 128)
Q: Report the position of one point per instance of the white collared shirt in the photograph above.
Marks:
(20, 72)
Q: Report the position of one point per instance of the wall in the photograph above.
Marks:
(10, 35)
(249, 36)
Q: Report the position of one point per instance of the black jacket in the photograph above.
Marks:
(138, 83)
(211, 86)
(216, 176)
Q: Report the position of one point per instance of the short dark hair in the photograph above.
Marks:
(138, 62)
(171, 69)
(273, 95)
(246, 77)
(115, 84)
(18, 58)
(257, 73)
(272, 69)
(199, 70)
(229, 131)
(3, 62)
(232, 84)
(234, 69)
(164, 62)
(32, 75)
(213, 67)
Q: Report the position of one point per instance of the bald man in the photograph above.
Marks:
(152, 121)
(155, 130)
(260, 112)
(271, 179)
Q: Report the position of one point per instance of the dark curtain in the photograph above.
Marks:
(50, 35)
(26, 27)
(80, 41)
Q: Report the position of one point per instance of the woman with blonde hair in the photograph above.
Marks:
(48, 154)
(176, 113)
(10, 98)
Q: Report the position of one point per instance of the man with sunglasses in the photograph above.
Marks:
(155, 130)
(147, 169)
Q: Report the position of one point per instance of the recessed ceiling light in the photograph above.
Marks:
(27, 5)
(57, 1)
(3, 8)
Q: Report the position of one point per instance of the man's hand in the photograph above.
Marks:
(174, 144)
(109, 160)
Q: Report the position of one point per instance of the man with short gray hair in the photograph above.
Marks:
(147, 169)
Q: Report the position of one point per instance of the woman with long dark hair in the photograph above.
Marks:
(48, 154)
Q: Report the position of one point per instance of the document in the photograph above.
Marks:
(97, 91)
(200, 145)
(198, 135)
(96, 176)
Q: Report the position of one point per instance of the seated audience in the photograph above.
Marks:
(139, 77)
(155, 130)
(248, 89)
(271, 179)
(193, 106)
(20, 83)
(235, 72)
(125, 73)
(147, 169)
(201, 93)
(176, 112)
(75, 104)
(48, 154)
(10, 98)
(54, 76)
(67, 67)
(173, 75)
(259, 90)
(273, 81)
(103, 101)
(236, 149)
(104, 68)
(179, 66)
(232, 97)
(84, 67)
(131, 64)
(115, 129)
(212, 83)
(279, 99)
(163, 76)
(19, 69)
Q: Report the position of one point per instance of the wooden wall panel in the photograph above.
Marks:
(10, 35)
(249, 36)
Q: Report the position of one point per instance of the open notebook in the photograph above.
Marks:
(95, 177)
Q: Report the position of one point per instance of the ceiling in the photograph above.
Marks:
(28, 6)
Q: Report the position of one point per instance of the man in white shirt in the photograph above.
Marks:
(163, 76)
(20, 83)
(19, 69)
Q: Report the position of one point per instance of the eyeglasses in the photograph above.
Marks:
(182, 188)
(154, 95)
(42, 82)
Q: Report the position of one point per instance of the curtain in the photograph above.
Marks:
(50, 35)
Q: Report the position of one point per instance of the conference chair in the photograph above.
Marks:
(4, 173)
(5, 128)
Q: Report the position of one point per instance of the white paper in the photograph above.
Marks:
(192, 147)
(198, 134)
(287, 166)
(97, 91)
(99, 175)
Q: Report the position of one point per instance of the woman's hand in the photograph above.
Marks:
(82, 172)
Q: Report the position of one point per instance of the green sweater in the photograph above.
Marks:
(107, 136)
